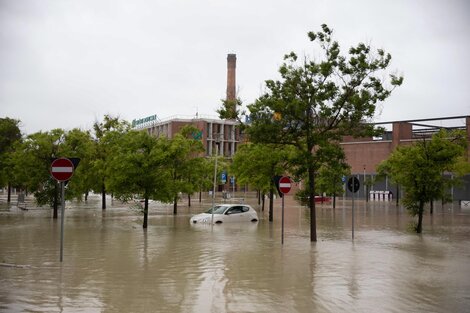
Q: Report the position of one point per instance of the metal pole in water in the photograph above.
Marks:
(282, 223)
(215, 182)
(353, 214)
(62, 184)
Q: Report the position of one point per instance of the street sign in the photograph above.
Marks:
(285, 184)
(62, 169)
(353, 184)
(232, 180)
(223, 177)
(284, 187)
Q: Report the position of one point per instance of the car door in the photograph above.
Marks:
(234, 214)
(246, 215)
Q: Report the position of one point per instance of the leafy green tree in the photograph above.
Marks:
(182, 154)
(419, 169)
(31, 164)
(9, 134)
(230, 109)
(203, 175)
(333, 168)
(319, 100)
(106, 135)
(79, 144)
(137, 167)
(257, 164)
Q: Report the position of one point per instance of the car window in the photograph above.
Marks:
(235, 210)
(245, 209)
(218, 209)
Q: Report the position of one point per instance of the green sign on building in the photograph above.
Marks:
(145, 120)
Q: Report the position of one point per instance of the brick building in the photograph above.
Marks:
(364, 154)
(211, 131)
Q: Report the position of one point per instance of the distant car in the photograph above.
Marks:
(322, 199)
(226, 213)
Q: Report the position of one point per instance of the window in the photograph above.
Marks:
(236, 210)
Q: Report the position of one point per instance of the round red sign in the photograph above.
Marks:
(62, 169)
(285, 184)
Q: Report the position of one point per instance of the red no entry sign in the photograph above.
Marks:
(62, 169)
(284, 184)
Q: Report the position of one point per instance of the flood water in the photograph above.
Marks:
(112, 265)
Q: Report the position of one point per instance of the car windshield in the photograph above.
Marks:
(218, 209)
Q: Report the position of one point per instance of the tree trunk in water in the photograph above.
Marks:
(259, 197)
(419, 228)
(200, 196)
(432, 207)
(56, 201)
(175, 205)
(103, 197)
(313, 217)
(9, 193)
(398, 195)
(367, 192)
(86, 196)
(262, 202)
(146, 212)
(334, 200)
(271, 205)
(189, 199)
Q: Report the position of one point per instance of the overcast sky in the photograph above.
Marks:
(64, 64)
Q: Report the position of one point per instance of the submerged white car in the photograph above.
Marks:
(226, 213)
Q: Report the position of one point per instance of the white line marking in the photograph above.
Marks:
(62, 169)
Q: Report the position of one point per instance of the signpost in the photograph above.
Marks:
(232, 181)
(62, 170)
(285, 184)
(353, 186)
(284, 187)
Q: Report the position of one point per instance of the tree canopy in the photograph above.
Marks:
(183, 154)
(128, 163)
(137, 168)
(257, 164)
(10, 134)
(419, 169)
(320, 99)
(106, 135)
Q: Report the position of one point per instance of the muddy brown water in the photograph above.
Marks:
(112, 265)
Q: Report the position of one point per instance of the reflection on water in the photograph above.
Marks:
(112, 265)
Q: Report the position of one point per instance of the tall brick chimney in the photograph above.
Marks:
(231, 70)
